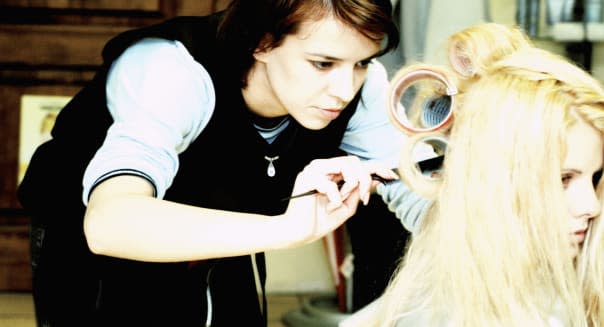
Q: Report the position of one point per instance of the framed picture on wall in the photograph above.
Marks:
(38, 115)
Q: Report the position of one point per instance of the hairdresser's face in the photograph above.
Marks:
(315, 73)
(581, 171)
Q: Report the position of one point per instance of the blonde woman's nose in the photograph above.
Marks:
(587, 204)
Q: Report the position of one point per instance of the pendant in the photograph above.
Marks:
(270, 170)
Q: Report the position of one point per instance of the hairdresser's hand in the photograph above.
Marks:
(312, 217)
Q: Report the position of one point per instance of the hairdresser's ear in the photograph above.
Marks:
(261, 55)
(460, 61)
(263, 50)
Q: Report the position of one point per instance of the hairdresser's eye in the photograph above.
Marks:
(364, 63)
(595, 179)
(322, 65)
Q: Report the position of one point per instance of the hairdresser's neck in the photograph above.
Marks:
(259, 95)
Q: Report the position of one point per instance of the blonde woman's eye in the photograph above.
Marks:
(566, 179)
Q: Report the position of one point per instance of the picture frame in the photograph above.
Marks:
(37, 117)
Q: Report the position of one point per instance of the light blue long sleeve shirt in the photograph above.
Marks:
(161, 99)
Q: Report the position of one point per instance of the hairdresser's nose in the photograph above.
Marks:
(584, 202)
(343, 84)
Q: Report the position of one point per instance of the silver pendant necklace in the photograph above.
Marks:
(270, 170)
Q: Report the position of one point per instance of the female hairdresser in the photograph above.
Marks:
(172, 169)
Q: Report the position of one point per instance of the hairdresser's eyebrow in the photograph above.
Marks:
(330, 58)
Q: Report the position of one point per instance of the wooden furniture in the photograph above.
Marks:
(52, 47)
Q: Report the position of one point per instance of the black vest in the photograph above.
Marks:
(224, 168)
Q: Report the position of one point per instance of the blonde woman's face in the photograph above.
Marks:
(581, 171)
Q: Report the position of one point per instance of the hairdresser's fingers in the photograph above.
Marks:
(318, 214)
(322, 176)
(329, 218)
(381, 172)
(338, 177)
(364, 176)
(306, 216)
(355, 175)
(346, 174)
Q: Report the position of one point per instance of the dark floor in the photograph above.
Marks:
(16, 309)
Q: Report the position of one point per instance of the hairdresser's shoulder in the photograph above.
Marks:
(376, 80)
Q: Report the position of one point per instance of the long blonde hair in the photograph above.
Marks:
(494, 250)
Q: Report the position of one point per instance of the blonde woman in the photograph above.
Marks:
(515, 235)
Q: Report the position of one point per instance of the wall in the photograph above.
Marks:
(448, 16)
(301, 270)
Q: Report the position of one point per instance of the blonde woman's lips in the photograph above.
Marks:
(579, 236)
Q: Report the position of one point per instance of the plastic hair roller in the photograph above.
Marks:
(421, 100)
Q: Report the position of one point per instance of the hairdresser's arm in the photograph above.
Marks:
(160, 100)
(371, 136)
(407, 205)
(124, 219)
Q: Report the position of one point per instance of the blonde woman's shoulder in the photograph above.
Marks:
(365, 317)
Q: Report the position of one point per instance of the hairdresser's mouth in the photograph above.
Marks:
(331, 113)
